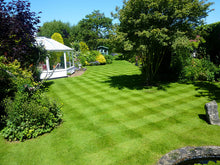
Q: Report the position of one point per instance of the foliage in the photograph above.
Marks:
(75, 45)
(56, 57)
(93, 27)
(199, 69)
(75, 34)
(57, 37)
(181, 50)
(18, 27)
(211, 34)
(29, 116)
(109, 59)
(13, 78)
(83, 47)
(150, 27)
(49, 28)
(101, 59)
(92, 58)
(88, 58)
(26, 111)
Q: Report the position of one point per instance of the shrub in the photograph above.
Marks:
(13, 78)
(101, 59)
(199, 69)
(29, 116)
(25, 110)
(83, 47)
(109, 59)
(91, 56)
(57, 37)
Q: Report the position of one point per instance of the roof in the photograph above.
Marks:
(52, 45)
(102, 47)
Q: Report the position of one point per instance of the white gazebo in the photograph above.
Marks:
(60, 59)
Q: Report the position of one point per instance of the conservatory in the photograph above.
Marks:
(59, 62)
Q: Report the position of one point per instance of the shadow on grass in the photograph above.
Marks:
(134, 82)
(208, 89)
(46, 85)
(203, 117)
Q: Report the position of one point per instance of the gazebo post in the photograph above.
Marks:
(69, 59)
(73, 58)
(65, 60)
(47, 64)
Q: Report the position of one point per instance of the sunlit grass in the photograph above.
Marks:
(110, 117)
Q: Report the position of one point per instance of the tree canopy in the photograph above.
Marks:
(211, 34)
(95, 27)
(49, 28)
(150, 27)
(18, 26)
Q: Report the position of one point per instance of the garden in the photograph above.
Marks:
(130, 107)
(110, 117)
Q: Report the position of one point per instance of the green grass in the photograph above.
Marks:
(110, 117)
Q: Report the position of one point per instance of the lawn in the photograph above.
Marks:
(110, 117)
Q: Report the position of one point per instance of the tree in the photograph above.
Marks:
(18, 27)
(57, 37)
(150, 27)
(94, 27)
(211, 33)
(49, 28)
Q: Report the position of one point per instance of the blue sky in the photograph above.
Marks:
(72, 11)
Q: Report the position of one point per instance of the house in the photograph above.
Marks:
(59, 62)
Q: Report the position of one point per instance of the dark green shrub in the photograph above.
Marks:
(91, 57)
(109, 59)
(29, 116)
(119, 56)
(199, 69)
(82, 59)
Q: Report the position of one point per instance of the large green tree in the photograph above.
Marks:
(94, 28)
(49, 28)
(151, 27)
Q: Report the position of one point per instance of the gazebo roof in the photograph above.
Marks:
(52, 45)
(102, 47)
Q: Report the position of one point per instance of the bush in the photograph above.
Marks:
(101, 59)
(109, 59)
(92, 58)
(12, 79)
(57, 37)
(83, 47)
(199, 69)
(25, 110)
(30, 116)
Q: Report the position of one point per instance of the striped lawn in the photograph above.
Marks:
(111, 118)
